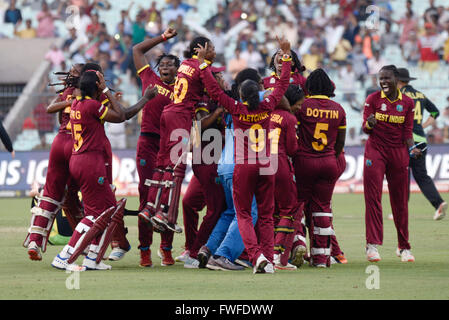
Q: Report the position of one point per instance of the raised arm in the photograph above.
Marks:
(141, 48)
(57, 105)
(149, 94)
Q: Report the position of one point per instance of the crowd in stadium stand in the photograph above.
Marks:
(343, 43)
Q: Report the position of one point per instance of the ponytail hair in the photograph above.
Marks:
(249, 93)
(319, 83)
(293, 94)
(88, 84)
(194, 44)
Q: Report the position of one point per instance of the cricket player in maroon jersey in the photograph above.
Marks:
(287, 208)
(57, 172)
(295, 76)
(87, 116)
(249, 179)
(388, 120)
(176, 123)
(193, 202)
(322, 130)
(209, 116)
(148, 142)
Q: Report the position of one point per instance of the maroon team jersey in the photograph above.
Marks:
(86, 120)
(66, 95)
(251, 127)
(151, 113)
(319, 120)
(295, 78)
(283, 133)
(188, 88)
(394, 119)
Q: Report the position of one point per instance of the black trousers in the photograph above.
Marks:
(425, 183)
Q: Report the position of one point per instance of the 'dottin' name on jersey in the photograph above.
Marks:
(186, 70)
(322, 113)
(253, 117)
(389, 118)
(164, 92)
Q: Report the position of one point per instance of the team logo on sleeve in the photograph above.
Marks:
(400, 108)
(383, 107)
(143, 162)
(369, 163)
(101, 180)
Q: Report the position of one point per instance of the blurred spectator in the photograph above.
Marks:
(127, 25)
(219, 42)
(409, 25)
(28, 124)
(341, 52)
(334, 32)
(347, 6)
(368, 41)
(312, 60)
(116, 133)
(429, 59)
(139, 32)
(94, 25)
(352, 28)
(388, 37)
(359, 62)
(46, 27)
(373, 86)
(174, 10)
(27, 33)
(431, 14)
(348, 78)
(308, 9)
(236, 64)
(12, 14)
(376, 63)
(253, 58)
(55, 56)
(410, 50)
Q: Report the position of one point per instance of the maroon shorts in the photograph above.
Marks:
(90, 175)
(175, 133)
(147, 149)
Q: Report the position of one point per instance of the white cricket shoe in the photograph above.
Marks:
(117, 254)
(191, 263)
(34, 251)
(441, 212)
(183, 257)
(269, 268)
(261, 263)
(405, 255)
(279, 266)
(91, 264)
(372, 255)
(61, 263)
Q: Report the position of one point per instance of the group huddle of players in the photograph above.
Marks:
(271, 184)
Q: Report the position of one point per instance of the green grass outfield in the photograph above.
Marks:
(427, 278)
